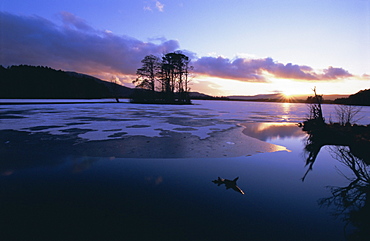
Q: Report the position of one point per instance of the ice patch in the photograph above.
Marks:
(101, 121)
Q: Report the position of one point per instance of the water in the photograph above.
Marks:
(63, 196)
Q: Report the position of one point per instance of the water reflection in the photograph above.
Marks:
(314, 143)
(351, 202)
(274, 130)
(312, 149)
(229, 184)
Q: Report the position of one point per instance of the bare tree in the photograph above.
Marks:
(315, 108)
(348, 114)
(114, 88)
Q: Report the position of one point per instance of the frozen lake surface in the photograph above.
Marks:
(121, 171)
(113, 120)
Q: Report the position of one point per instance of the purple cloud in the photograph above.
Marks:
(73, 45)
(252, 70)
(239, 69)
(76, 46)
(335, 73)
(73, 21)
(291, 71)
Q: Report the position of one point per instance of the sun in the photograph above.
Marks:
(288, 96)
(289, 93)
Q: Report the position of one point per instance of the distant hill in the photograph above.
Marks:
(201, 96)
(333, 97)
(280, 97)
(31, 82)
(360, 98)
(255, 97)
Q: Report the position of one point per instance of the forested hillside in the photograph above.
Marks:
(360, 98)
(26, 81)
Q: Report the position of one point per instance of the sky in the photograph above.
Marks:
(237, 47)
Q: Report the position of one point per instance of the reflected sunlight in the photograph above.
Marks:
(286, 110)
(268, 125)
(272, 130)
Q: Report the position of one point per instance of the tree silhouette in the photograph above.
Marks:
(114, 88)
(171, 74)
(315, 108)
(148, 73)
(175, 72)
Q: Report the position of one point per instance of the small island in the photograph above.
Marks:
(163, 81)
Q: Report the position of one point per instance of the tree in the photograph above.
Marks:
(148, 73)
(360, 98)
(174, 75)
(348, 114)
(171, 73)
(315, 107)
(114, 88)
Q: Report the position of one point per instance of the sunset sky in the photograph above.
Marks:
(237, 47)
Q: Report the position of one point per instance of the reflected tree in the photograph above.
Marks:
(312, 149)
(350, 146)
(351, 202)
(314, 143)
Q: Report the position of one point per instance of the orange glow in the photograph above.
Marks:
(288, 98)
(270, 125)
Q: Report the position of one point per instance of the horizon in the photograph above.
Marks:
(236, 48)
(277, 96)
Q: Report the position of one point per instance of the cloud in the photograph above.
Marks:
(154, 4)
(256, 70)
(224, 68)
(159, 6)
(72, 45)
(335, 73)
(72, 21)
(147, 8)
(365, 77)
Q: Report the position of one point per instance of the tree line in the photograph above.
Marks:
(30, 82)
(360, 98)
(163, 80)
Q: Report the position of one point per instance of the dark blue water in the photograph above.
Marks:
(91, 198)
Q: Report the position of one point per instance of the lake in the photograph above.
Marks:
(121, 171)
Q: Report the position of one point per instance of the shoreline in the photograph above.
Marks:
(127, 100)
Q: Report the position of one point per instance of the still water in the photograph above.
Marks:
(106, 198)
